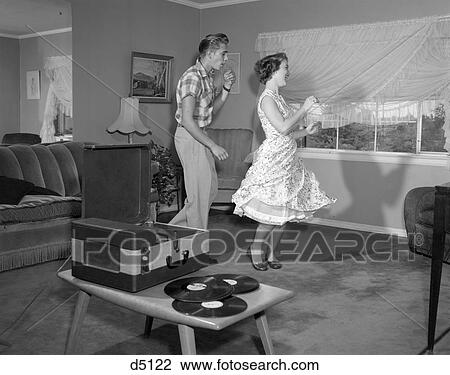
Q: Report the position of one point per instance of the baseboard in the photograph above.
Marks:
(327, 222)
(358, 226)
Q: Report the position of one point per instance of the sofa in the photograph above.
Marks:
(231, 171)
(419, 219)
(37, 228)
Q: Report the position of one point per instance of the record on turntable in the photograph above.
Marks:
(240, 283)
(198, 289)
(211, 309)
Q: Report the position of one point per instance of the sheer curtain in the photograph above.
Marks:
(361, 71)
(59, 71)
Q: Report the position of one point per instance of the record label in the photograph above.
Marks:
(198, 289)
(229, 306)
(212, 304)
(240, 283)
(196, 286)
(230, 281)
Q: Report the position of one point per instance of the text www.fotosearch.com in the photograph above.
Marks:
(223, 365)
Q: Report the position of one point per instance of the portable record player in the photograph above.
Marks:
(115, 243)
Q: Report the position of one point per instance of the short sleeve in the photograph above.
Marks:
(190, 85)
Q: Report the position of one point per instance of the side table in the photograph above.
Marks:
(154, 303)
(441, 219)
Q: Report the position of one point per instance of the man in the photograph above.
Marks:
(197, 101)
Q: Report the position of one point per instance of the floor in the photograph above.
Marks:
(355, 293)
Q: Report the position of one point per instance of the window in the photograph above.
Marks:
(407, 127)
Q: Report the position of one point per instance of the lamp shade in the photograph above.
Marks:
(128, 121)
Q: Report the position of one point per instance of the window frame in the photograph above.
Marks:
(428, 158)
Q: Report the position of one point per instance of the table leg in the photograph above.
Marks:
(441, 205)
(264, 334)
(187, 339)
(80, 312)
(148, 326)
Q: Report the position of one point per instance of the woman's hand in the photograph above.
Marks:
(313, 128)
(309, 102)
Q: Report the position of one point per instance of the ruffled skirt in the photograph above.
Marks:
(277, 187)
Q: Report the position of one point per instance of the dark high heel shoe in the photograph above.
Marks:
(260, 266)
(274, 264)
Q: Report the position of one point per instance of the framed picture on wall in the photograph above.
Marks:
(233, 63)
(151, 77)
(33, 85)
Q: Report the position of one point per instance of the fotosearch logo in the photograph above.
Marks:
(294, 246)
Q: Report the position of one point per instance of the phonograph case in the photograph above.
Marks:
(115, 244)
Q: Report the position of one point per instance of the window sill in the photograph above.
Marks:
(431, 159)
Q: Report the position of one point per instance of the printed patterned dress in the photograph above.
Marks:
(277, 187)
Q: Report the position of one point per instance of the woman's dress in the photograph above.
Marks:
(277, 187)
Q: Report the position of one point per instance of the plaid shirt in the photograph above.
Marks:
(196, 82)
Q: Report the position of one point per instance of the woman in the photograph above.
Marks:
(277, 187)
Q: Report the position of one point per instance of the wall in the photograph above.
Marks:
(33, 55)
(105, 32)
(9, 87)
(368, 193)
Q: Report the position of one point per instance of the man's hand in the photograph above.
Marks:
(219, 152)
(228, 79)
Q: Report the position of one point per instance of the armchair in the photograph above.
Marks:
(230, 172)
(419, 221)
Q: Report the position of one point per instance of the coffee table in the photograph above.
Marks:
(154, 303)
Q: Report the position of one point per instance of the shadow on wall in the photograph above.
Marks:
(371, 186)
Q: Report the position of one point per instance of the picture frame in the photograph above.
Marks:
(33, 84)
(233, 63)
(151, 77)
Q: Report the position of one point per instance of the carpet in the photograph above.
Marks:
(355, 293)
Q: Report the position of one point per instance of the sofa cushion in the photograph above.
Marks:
(40, 208)
(39, 190)
(12, 190)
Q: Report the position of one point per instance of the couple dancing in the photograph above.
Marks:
(277, 187)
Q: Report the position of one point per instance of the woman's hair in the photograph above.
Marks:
(212, 42)
(268, 65)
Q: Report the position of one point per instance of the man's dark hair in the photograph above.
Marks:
(212, 42)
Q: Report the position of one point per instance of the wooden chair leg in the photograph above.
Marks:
(148, 326)
(187, 339)
(80, 312)
(441, 204)
(264, 334)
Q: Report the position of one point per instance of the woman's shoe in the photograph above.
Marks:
(260, 266)
(274, 264)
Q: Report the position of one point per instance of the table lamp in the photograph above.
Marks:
(129, 121)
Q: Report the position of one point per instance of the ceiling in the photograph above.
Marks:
(21, 18)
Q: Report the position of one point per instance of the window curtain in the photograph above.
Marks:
(368, 72)
(59, 71)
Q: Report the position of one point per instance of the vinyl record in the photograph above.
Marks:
(240, 283)
(198, 289)
(213, 309)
